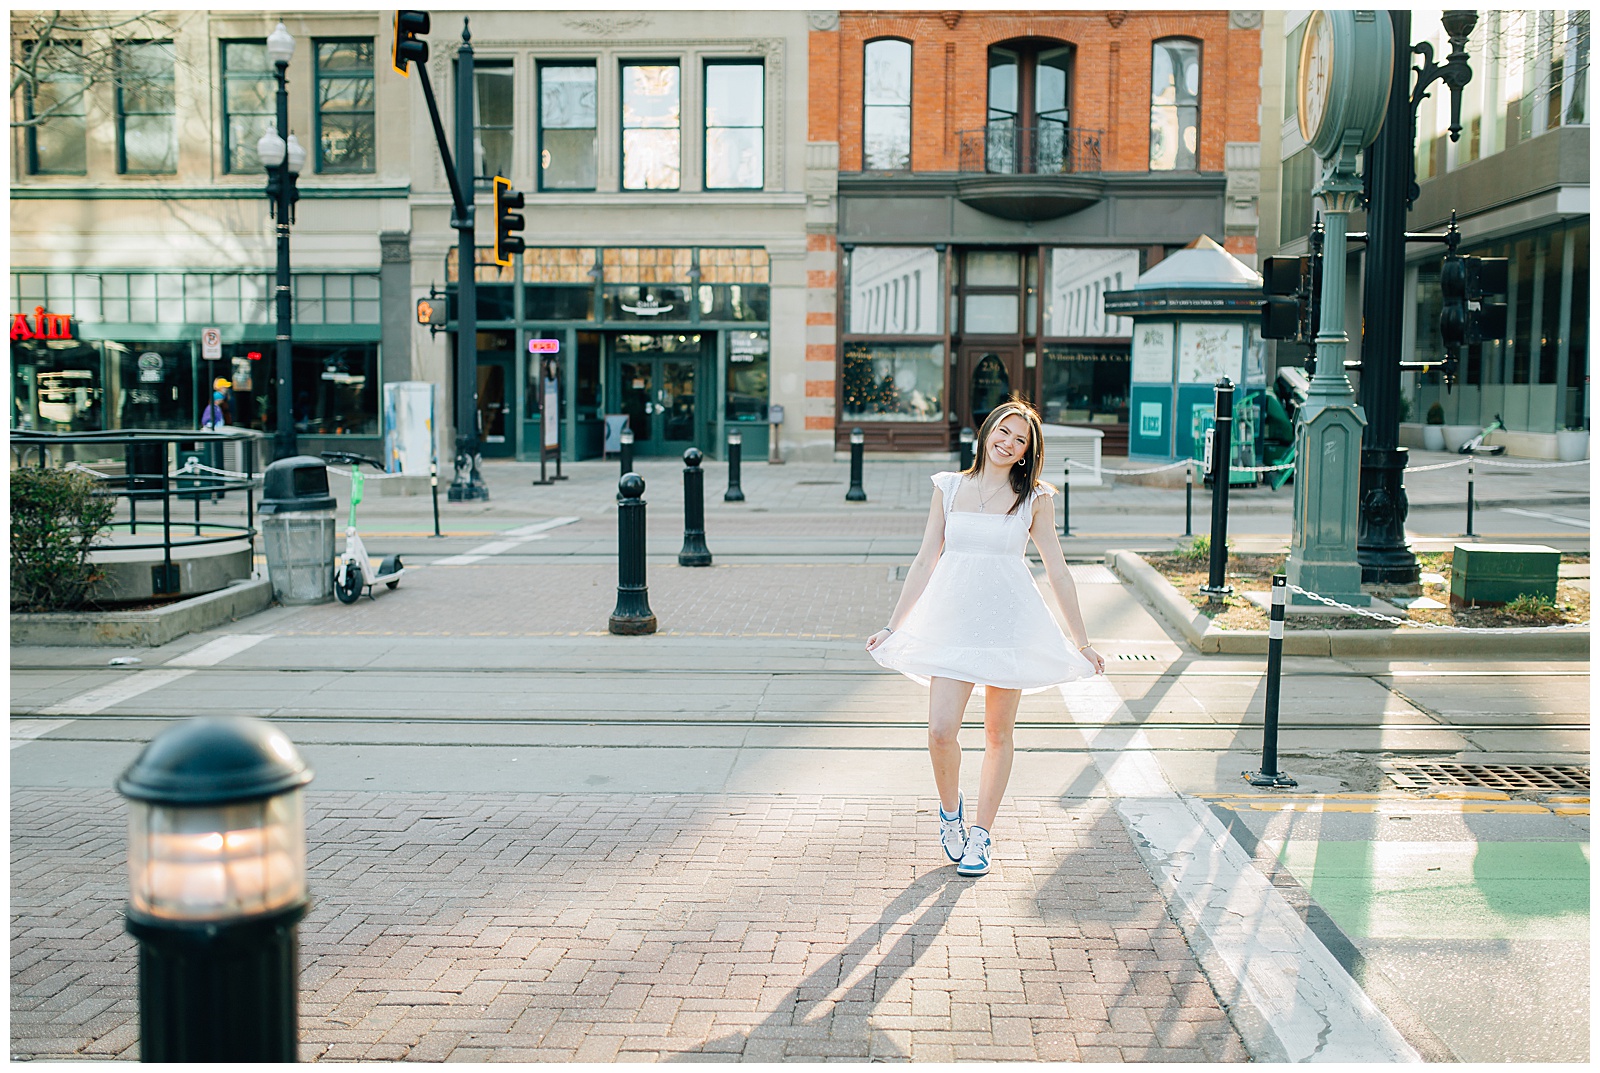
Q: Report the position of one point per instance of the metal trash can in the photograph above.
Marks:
(297, 528)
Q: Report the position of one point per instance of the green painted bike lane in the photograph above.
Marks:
(1471, 931)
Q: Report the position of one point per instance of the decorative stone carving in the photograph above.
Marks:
(950, 18)
(822, 20)
(1115, 18)
(394, 247)
(603, 24)
(1244, 20)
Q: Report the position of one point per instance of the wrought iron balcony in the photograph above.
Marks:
(1051, 149)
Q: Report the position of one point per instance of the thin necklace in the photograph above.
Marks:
(983, 502)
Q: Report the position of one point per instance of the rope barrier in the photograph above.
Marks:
(79, 467)
(1438, 465)
(1533, 465)
(1129, 472)
(1365, 613)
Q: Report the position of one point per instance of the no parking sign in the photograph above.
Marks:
(211, 343)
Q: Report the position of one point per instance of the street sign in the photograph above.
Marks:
(544, 346)
(211, 344)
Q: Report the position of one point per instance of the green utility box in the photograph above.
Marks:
(1498, 573)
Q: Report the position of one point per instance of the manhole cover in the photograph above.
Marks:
(1424, 775)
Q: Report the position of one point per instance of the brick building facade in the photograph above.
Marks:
(997, 172)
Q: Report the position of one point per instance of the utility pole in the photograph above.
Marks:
(468, 482)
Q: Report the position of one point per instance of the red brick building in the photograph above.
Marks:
(998, 171)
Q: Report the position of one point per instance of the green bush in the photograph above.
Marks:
(55, 521)
(1534, 608)
(1197, 550)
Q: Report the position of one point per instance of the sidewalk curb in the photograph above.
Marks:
(147, 629)
(1198, 631)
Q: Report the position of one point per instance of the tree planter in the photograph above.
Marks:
(1572, 445)
(1456, 435)
(1433, 437)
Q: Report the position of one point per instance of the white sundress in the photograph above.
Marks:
(982, 618)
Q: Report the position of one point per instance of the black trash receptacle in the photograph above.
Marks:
(145, 463)
(297, 529)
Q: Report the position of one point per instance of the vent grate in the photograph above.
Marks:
(1145, 656)
(1425, 775)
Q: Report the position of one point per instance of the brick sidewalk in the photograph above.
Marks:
(600, 927)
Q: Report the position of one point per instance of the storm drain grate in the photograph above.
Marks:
(1147, 657)
(1425, 775)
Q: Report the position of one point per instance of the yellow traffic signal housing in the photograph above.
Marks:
(506, 222)
(407, 26)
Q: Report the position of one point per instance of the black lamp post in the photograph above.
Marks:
(1390, 170)
(283, 161)
(217, 888)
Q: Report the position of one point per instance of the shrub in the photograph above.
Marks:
(1534, 608)
(1197, 550)
(55, 520)
(1436, 414)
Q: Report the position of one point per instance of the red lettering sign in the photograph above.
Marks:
(44, 326)
(544, 346)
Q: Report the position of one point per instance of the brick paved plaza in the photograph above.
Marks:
(599, 927)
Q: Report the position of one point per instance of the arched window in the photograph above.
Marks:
(1029, 95)
(886, 105)
(1175, 105)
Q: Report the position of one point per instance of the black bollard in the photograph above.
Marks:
(1470, 467)
(632, 615)
(856, 494)
(625, 452)
(1221, 450)
(1188, 500)
(1066, 508)
(1269, 775)
(695, 552)
(734, 494)
(966, 437)
(433, 486)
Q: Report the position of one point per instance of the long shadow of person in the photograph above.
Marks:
(852, 980)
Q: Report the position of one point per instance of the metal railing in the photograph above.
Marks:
(1049, 149)
(146, 472)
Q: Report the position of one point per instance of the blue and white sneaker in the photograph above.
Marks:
(975, 861)
(953, 829)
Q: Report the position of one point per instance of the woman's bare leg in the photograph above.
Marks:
(947, 703)
(999, 721)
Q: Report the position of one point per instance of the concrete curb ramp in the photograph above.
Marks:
(148, 629)
(1198, 630)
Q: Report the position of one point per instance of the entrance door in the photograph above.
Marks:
(659, 393)
(986, 377)
(497, 432)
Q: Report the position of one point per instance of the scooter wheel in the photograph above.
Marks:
(347, 587)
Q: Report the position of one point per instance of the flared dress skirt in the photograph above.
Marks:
(982, 618)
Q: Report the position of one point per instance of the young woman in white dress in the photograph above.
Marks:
(970, 615)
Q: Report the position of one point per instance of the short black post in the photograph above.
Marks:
(250, 492)
(1470, 467)
(1066, 508)
(1269, 775)
(433, 486)
(625, 451)
(858, 440)
(1221, 450)
(966, 437)
(219, 971)
(734, 494)
(695, 552)
(1188, 500)
(632, 615)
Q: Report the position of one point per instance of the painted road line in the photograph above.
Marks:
(1287, 995)
(523, 534)
(214, 652)
(103, 697)
(25, 730)
(1560, 519)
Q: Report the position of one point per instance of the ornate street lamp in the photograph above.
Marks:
(282, 161)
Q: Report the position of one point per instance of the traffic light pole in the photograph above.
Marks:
(1381, 547)
(468, 482)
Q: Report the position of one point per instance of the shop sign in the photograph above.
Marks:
(44, 326)
(544, 346)
(151, 367)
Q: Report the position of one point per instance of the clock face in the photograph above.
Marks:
(1316, 72)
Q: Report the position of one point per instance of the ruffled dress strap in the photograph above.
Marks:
(947, 482)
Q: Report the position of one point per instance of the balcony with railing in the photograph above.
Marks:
(1029, 173)
(1049, 149)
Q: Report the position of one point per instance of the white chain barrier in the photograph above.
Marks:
(1366, 613)
(1531, 465)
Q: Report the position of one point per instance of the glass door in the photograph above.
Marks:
(658, 380)
(496, 430)
(988, 376)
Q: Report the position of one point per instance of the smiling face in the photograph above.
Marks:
(1008, 442)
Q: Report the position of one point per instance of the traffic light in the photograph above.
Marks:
(1285, 311)
(506, 222)
(407, 26)
(1488, 279)
(1453, 293)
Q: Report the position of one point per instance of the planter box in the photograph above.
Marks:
(1572, 445)
(1456, 435)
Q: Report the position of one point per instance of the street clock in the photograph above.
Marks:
(1346, 59)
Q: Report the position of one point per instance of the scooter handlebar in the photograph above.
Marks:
(351, 459)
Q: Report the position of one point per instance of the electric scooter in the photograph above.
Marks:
(1475, 446)
(353, 571)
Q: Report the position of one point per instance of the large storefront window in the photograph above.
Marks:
(895, 290)
(56, 386)
(1085, 385)
(336, 389)
(1076, 282)
(749, 375)
(152, 385)
(894, 382)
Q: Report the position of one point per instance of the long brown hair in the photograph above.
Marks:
(1024, 477)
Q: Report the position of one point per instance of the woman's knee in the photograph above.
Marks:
(998, 737)
(942, 733)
